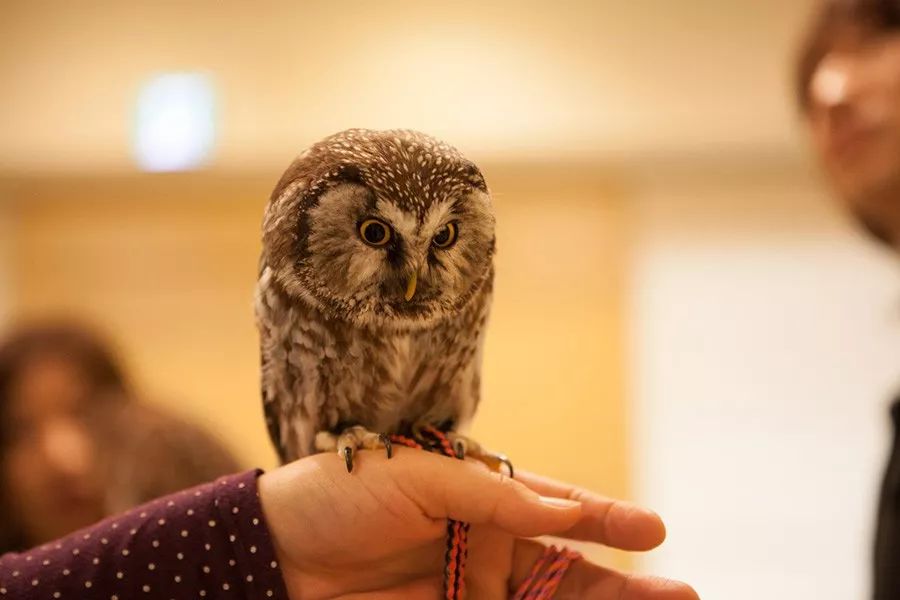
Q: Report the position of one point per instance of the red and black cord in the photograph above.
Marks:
(547, 572)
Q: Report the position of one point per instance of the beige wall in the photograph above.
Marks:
(502, 80)
(166, 266)
(7, 229)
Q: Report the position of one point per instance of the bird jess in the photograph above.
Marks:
(374, 290)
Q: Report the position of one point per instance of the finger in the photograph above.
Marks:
(611, 522)
(448, 488)
(587, 581)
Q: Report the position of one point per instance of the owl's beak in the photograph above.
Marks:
(411, 286)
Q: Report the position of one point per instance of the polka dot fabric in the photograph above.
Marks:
(206, 542)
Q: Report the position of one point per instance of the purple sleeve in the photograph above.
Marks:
(209, 541)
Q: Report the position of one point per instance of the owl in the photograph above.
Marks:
(374, 290)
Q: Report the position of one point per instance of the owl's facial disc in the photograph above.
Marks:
(374, 263)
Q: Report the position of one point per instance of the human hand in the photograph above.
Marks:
(378, 533)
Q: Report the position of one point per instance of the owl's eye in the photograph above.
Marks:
(374, 232)
(446, 237)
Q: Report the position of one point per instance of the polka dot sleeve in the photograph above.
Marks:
(206, 542)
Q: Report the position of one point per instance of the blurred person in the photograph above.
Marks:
(145, 452)
(849, 91)
(75, 446)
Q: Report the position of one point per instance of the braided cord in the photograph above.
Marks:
(541, 584)
(546, 574)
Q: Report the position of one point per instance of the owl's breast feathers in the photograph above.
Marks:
(322, 374)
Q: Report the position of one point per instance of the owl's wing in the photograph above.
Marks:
(272, 416)
(474, 321)
(270, 400)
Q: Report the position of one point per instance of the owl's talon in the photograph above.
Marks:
(509, 466)
(386, 441)
(350, 440)
(464, 446)
(348, 458)
(459, 448)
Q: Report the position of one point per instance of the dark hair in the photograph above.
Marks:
(832, 16)
(65, 340)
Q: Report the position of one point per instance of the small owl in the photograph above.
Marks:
(374, 290)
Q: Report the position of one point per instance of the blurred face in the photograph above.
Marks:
(854, 114)
(50, 469)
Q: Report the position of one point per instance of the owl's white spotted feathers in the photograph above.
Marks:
(374, 288)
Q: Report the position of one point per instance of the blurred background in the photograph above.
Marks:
(681, 317)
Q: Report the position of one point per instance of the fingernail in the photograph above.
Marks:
(558, 502)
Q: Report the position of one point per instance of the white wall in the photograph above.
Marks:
(765, 349)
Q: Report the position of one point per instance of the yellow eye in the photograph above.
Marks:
(374, 232)
(446, 237)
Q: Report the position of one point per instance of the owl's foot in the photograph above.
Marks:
(350, 440)
(467, 447)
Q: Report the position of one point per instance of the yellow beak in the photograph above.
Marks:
(411, 286)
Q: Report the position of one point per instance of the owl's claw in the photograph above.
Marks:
(509, 466)
(386, 441)
(350, 440)
(348, 458)
(495, 462)
(459, 447)
(463, 446)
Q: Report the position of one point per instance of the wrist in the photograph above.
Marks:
(285, 507)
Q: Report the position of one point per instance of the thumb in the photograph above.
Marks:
(446, 488)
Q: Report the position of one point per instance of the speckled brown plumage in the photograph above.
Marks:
(341, 345)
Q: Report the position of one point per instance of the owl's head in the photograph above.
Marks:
(381, 228)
